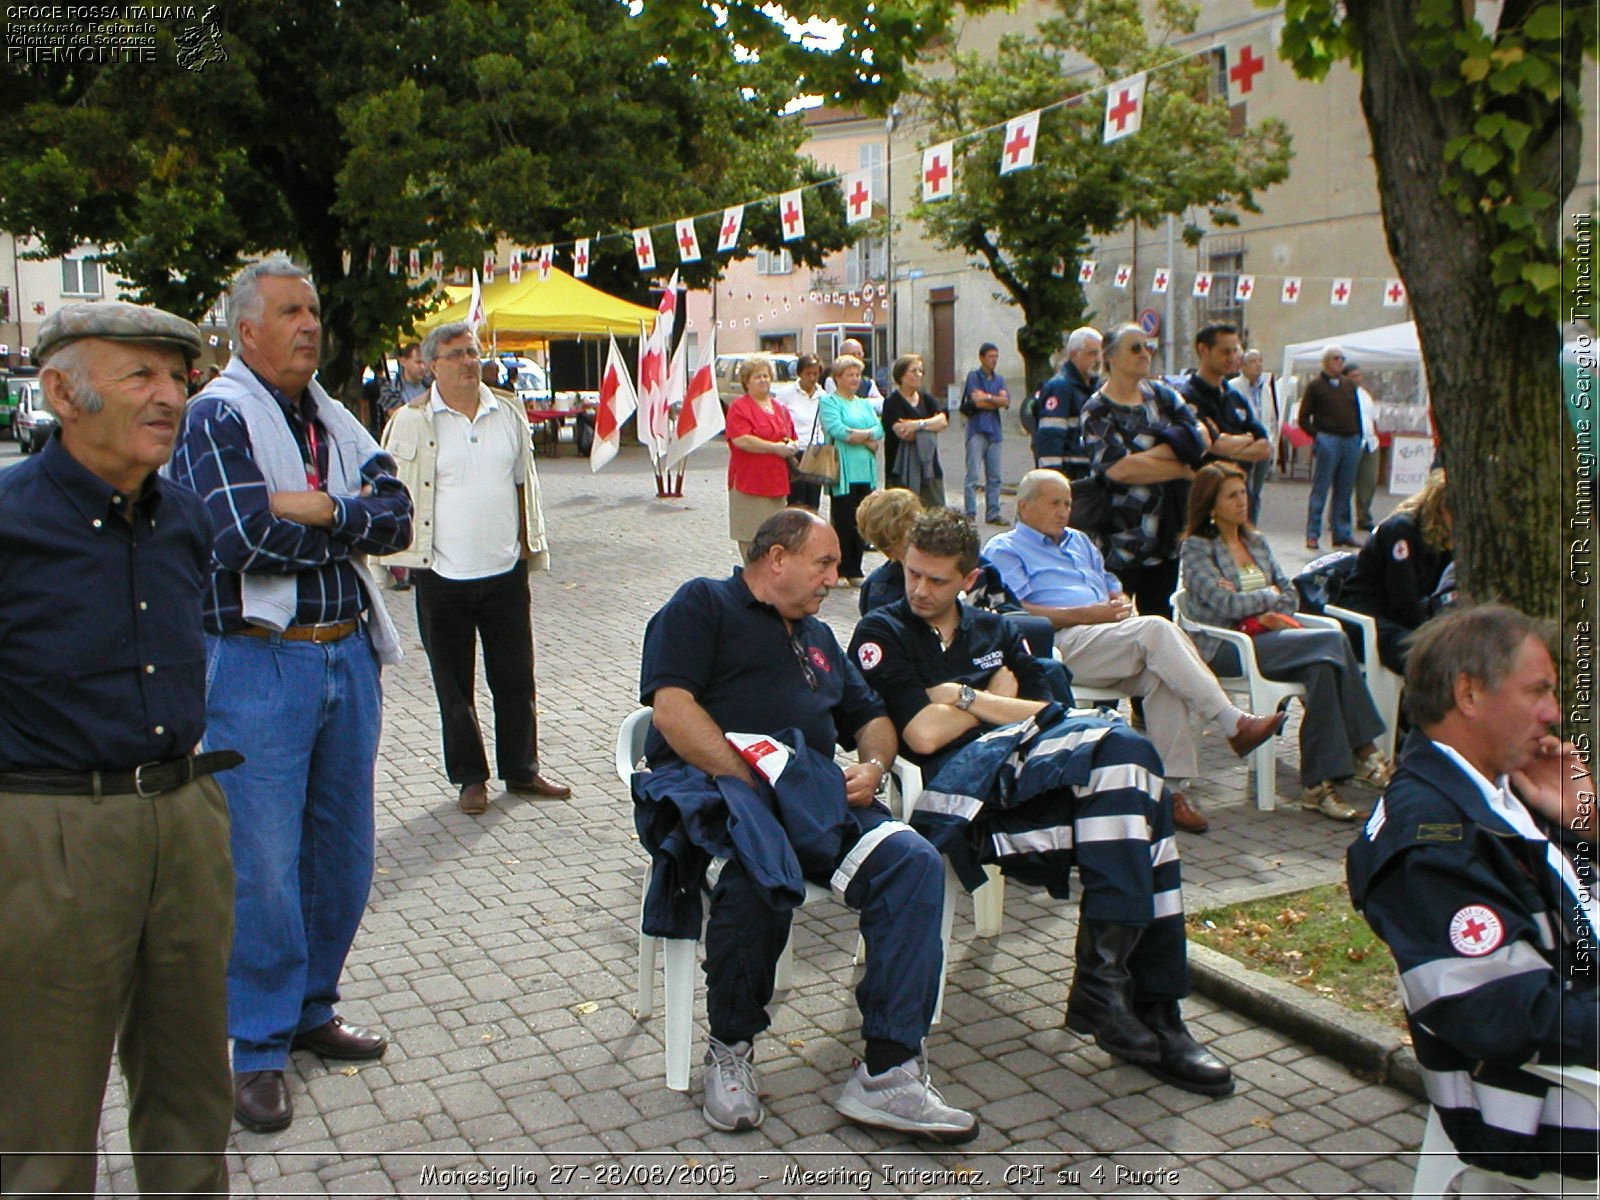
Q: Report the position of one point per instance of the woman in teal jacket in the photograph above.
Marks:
(855, 431)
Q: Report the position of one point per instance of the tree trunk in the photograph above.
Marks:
(1494, 377)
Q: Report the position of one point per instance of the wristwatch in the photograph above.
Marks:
(967, 697)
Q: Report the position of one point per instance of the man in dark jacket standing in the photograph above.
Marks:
(1477, 868)
(1057, 433)
(1331, 415)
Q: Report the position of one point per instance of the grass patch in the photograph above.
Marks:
(1314, 940)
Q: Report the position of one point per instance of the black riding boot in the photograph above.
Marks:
(1100, 1003)
(1185, 1063)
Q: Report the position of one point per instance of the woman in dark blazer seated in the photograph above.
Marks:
(1399, 568)
(1231, 579)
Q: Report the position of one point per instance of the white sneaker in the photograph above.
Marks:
(732, 1088)
(904, 1099)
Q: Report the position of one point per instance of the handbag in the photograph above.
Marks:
(1091, 505)
(819, 462)
(1254, 627)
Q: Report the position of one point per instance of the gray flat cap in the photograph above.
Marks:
(118, 321)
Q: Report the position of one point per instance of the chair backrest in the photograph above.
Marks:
(630, 742)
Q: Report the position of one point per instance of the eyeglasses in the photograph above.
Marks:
(455, 356)
(805, 662)
(1143, 347)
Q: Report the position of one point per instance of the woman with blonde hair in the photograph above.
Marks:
(1231, 579)
(761, 444)
(884, 520)
(1400, 566)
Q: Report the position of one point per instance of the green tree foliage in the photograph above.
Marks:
(1476, 134)
(1025, 223)
(344, 127)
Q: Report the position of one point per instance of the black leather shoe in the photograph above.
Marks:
(1185, 1063)
(1100, 1004)
(261, 1101)
(539, 786)
(339, 1040)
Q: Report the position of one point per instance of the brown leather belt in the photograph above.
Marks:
(329, 631)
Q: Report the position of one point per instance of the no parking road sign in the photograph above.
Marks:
(1149, 321)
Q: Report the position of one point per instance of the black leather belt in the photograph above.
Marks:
(148, 779)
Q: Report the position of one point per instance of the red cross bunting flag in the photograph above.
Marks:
(1291, 290)
(547, 258)
(394, 260)
(488, 266)
(644, 249)
(438, 265)
(514, 266)
(1016, 152)
(1086, 270)
(1124, 107)
(1161, 280)
(857, 196)
(1246, 61)
(688, 243)
(728, 232)
(1120, 279)
(1339, 293)
(580, 258)
(792, 216)
(1244, 287)
(414, 263)
(937, 164)
(1394, 293)
(1202, 284)
(617, 403)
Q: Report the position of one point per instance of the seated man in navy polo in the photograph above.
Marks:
(1017, 781)
(746, 655)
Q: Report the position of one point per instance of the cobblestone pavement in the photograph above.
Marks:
(499, 954)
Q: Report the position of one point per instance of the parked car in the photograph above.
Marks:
(727, 372)
(8, 398)
(33, 421)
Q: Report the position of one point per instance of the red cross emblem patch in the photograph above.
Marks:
(869, 654)
(1475, 931)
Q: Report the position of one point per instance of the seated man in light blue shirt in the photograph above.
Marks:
(1057, 573)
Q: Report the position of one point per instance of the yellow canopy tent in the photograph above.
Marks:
(532, 311)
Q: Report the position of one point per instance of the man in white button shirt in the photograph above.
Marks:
(466, 456)
(1477, 868)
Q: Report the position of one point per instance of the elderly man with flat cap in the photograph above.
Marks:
(116, 883)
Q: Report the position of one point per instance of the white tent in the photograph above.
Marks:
(1388, 347)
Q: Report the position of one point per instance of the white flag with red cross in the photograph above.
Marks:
(394, 260)
(546, 259)
(1161, 280)
(1394, 293)
(580, 258)
(701, 417)
(1086, 270)
(514, 267)
(1339, 293)
(792, 216)
(1202, 284)
(475, 312)
(414, 263)
(1121, 278)
(617, 403)
(438, 265)
(728, 231)
(488, 266)
(1291, 290)
(937, 164)
(1246, 61)
(644, 249)
(688, 243)
(1016, 151)
(1244, 287)
(1124, 107)
(857, 196)
(655, 428)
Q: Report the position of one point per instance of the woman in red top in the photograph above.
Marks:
(761, 443)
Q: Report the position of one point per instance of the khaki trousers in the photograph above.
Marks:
(118, 917)
(1149, 657)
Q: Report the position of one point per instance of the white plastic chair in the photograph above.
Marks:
(679, 953)
(1383, 684)
(1438, 1166)
(1266, 695)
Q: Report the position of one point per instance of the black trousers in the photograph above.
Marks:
(1151, 587)
(842, 515)
(452, 614)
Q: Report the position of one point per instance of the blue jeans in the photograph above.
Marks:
(983, 454)
(1334, 462)
(305, 716)
(1258, 480)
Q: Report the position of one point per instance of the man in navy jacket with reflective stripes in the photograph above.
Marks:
(1477, 868)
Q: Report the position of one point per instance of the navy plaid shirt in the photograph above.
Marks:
(214, 458)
